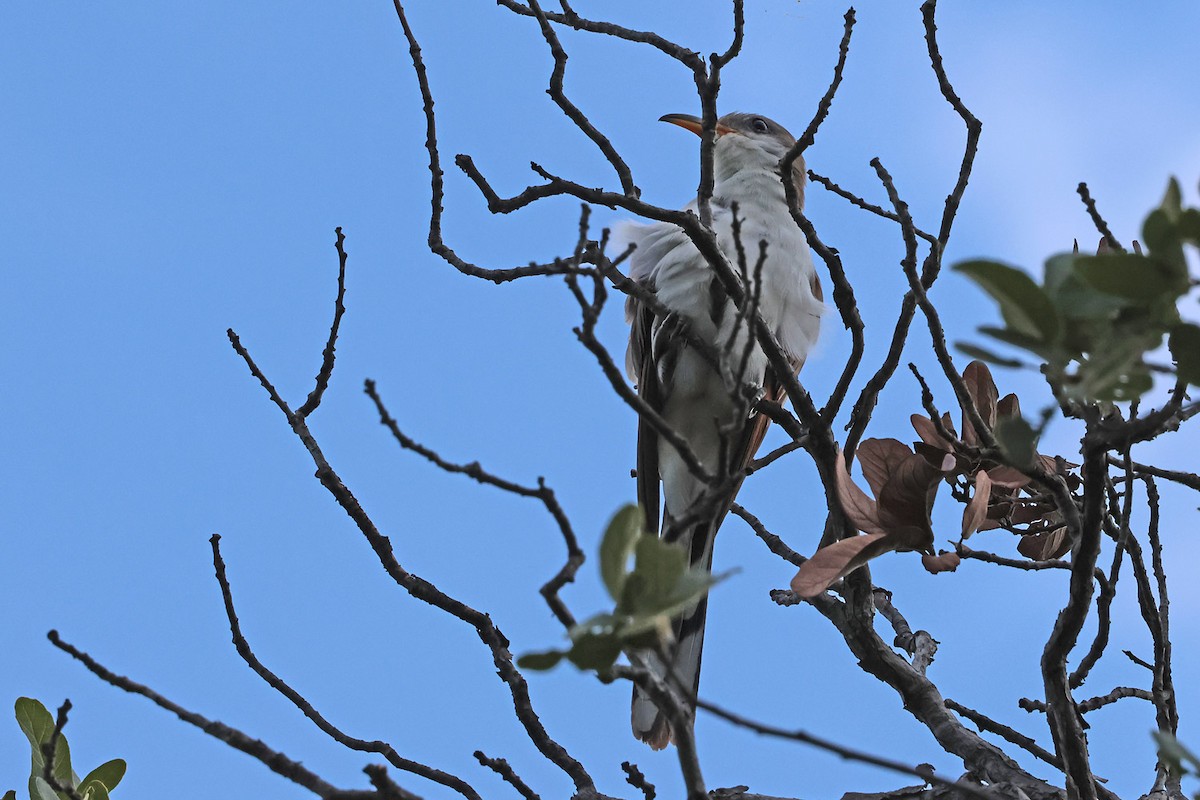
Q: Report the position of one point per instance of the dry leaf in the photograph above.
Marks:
(936, 457)
(1045, 546)
(945, 561)
(1009, 406)
(1008, 478)
(838, 560)
(859, 509)
(904, 502)
(928, 432)
(975, 513)
(878, 458)
(978, 380)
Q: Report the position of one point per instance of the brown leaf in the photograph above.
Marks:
(860, 510)
(928, 432)
(1008, 477)
(1045, 546)
(904, 502)
(838, 560)
(879, 459)
(975, 513)
(948, 424)
(945, 561)
(1023, 513)
(982, 388)
(1009, 406)
(936, 457)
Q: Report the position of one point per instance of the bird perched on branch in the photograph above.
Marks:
(693, 365)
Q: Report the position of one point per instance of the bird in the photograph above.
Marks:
(677, 380)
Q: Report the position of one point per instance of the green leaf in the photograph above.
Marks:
(38, 725)
(1189, 226)
(972, 351)
(1075, 299)
(109, 773)
(93, 790)
(1016, 339)
(617, 545)
(1161, 235)
(691, 586)
(1172, 202)
(1172, 752)
(656, 569)
(595, 651)
(1141, 279)
(1185, 349)
(1017, 439)
(1023, 304)
(540, 661)
(40, 790)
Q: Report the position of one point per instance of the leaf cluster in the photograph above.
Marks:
(1093, 319)
(1002, 495)
(38, 725)
(660, 585)
(905, 483)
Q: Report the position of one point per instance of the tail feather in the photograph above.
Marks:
(650, 724)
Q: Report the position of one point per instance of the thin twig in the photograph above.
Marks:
(986, 723)
(50, 754)
(437, 243)
(773, 542)
(502, 768)
(425, 591)
(635, 778)
(384, 749)
(327, 357)
(473, 470)
(1086, 196)
(255, 748)
(850, 754)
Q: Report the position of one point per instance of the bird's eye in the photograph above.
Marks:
(759, 124)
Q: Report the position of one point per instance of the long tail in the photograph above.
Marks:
(650, 724)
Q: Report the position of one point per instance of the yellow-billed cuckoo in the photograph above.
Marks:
(682, 384)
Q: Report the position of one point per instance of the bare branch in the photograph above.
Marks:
(1094, 703)
(635, 778)
(920, 645)
(50, 754)
(473, 470)
(974, 126)
(339, 308)
(1188, 479)
(1086, 196)
(689, 58)
(847, 753)
(826, 102)
(425, 591)
(505, 771)
(558, 94)
(989, 725)
(436, 242)
(329, 729)
(866, 206)
(773, 542)
(255, 748)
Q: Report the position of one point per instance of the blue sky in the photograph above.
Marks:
(173, 170)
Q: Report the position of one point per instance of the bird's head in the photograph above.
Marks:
(746, 141)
